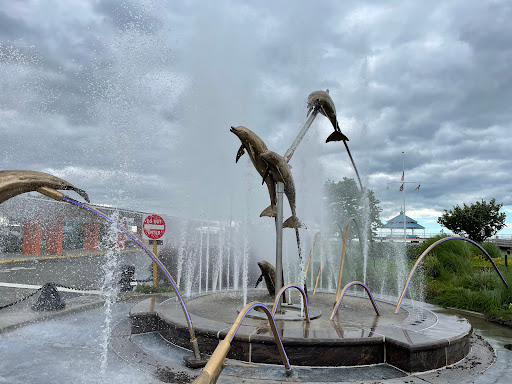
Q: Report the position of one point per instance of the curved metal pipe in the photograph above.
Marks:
(281, 292)
(317, 279)
(432, 246)
(60, 196)
(322, 257)
(343, 294)
(311, 253)
(213, 368)
(320, 268)
(338, 330)
(338, 285)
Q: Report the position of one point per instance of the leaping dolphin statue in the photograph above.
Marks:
(16, 182)
(323, 102)
(280, 171)
(254, 147)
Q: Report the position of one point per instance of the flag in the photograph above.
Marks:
(418, 187)
(403, 174)
(402, 187)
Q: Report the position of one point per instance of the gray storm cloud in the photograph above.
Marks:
(133, 101)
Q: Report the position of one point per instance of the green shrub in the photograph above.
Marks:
(482, 280)
(492, 249)
(455, 278)
(146, 289)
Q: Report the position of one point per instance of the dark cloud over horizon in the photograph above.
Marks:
(133, 100)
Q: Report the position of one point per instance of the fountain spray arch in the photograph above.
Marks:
(311, 253)
(431, 247)
(342, 261)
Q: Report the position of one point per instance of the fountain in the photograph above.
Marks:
(415, 340)
(343, 317)
(419, 340)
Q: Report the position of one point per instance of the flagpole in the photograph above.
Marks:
(403, 191)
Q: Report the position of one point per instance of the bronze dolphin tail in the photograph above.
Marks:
(16, 182)
(270, 211)
(293, 222)
(321, 101)
(336, 136)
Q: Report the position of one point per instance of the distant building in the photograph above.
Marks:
(397, 224)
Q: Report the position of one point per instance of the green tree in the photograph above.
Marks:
(344, 200)
(477, 221)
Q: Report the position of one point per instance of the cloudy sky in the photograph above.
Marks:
(132, 101)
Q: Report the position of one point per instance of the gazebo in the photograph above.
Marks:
(397, 223)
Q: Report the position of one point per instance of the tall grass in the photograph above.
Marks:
(455, 278)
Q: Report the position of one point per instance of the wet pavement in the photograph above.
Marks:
(67, 347)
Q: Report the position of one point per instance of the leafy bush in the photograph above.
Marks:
(492, 249)
(454, 278)
(146, 289)
(482, 280)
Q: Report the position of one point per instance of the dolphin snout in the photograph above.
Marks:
(233, 129)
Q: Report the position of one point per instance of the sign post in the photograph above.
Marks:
(153, 228)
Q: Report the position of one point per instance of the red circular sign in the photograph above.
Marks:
(154, 227)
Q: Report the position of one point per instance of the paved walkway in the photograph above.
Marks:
(65, 349)
(70, 347)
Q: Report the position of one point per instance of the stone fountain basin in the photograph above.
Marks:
(415, 340)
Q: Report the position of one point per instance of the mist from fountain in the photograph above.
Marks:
(365, 232)
(191, 262)
(181, 251)
(207, 259)
(109, 286)
(221, 255)
(245, 264)
(200, 273)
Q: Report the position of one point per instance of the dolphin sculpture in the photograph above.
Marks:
(16, 182)
(323, 102)
(254, 147)
(268, 272)
(280, 171)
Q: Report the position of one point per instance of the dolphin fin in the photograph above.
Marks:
(336, 136)
(270, 211)
(260, 279)
(240, 152)
(265, 175)
(293, 222)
